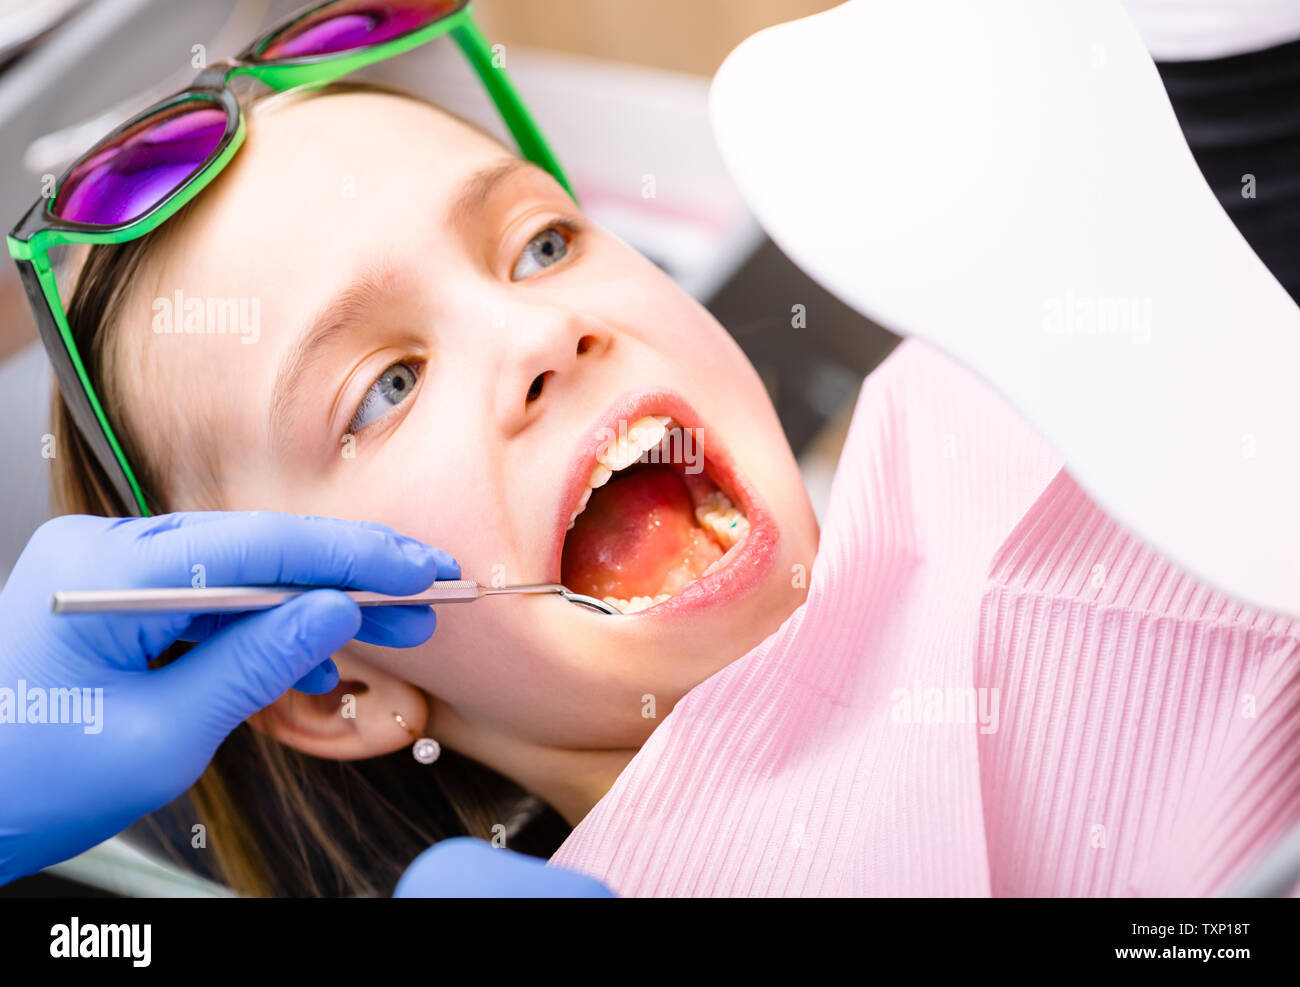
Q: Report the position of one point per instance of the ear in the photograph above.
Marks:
(353, 721)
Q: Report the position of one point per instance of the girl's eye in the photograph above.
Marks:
(543, 250)
(389, 390)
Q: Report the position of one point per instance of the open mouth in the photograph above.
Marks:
(656, 516)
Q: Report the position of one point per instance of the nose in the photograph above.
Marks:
(547, 348)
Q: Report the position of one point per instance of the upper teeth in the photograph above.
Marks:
(621, 452)
(624, 450)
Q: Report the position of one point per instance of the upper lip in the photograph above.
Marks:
(628, 409)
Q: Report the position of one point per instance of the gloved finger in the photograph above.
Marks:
(267, 547)
(396, 627)
(320, 680)
(390, 627)
(250, 664)
(190, 519)
(205, 625)
(464, 867)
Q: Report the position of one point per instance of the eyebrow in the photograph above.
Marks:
(351, 307)
(344, 313)
(475, 192)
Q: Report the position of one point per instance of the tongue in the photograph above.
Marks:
(637, 537)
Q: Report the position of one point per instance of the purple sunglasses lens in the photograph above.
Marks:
(352, 24)
(127, 176)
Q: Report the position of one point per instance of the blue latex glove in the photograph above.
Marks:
(468, 868)
(66, 789)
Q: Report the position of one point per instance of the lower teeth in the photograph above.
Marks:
(719, 516)
(637, 603)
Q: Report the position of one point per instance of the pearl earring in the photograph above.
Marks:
(425, 749)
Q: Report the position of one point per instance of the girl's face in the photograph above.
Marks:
(444, 344)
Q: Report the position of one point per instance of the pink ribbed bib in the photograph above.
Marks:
(991, 689)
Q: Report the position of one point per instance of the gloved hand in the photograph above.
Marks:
(68, 786)
(468, 868)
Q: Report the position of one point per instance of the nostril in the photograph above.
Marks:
(535, 388)
(585, 343)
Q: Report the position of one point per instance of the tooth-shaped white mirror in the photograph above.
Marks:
(1007, 180)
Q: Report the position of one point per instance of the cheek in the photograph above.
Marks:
(701, 351)
(425, 480)
(682, 330)
(487, 660)
(636, 296)
(448, 516)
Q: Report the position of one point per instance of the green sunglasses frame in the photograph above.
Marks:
(40, 230)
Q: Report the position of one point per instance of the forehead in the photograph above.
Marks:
(340, 164)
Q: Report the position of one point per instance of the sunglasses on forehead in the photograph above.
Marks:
(140, 175)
